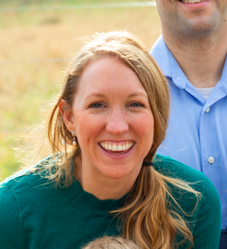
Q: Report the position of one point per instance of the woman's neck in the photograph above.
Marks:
(103, 188)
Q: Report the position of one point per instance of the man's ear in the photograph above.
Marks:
(66, 113)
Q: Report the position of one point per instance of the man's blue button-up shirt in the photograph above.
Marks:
(197, 131)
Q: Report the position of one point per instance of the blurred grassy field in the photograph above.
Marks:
(26, 85)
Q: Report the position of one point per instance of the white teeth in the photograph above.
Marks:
(119, 148)
(115, 147)
(192, 1)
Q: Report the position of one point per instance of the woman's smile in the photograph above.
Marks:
(117, 147)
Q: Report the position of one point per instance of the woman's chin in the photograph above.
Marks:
(121, 172)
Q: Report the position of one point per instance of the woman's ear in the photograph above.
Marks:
(66, 113)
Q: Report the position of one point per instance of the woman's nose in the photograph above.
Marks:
(116, 123)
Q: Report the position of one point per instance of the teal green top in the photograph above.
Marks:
(35, 215)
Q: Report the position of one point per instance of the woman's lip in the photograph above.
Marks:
(117, 141)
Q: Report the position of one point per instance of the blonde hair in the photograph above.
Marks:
(110, 242)
(146, 218)
(130, 50)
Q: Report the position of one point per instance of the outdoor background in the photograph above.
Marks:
(36, 44)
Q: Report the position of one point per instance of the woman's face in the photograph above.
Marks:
(112, 121)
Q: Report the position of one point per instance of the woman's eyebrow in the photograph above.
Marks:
(101, 95)
(139, 93)
(95, 94)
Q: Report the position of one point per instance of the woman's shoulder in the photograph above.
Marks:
(200, 210)
(26, 179)
(195, 179)
(171, 168)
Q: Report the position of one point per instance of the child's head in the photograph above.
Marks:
(109, 242)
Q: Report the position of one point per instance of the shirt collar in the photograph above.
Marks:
(167, 63)
(223, 80)
(171, 69)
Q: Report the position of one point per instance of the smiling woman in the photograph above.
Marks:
(103, 131)
(112, 120)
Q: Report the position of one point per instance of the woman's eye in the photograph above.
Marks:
(136, 104)
(96, 105)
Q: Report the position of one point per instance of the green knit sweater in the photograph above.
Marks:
(35, 215)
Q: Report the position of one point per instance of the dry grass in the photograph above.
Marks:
(25, 88)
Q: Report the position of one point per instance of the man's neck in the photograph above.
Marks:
(201, 59)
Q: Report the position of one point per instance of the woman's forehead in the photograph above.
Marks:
(106, 74)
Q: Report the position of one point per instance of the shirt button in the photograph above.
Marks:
(211, 160)
(208, 109)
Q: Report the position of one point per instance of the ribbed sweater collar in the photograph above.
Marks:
(87, 202)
